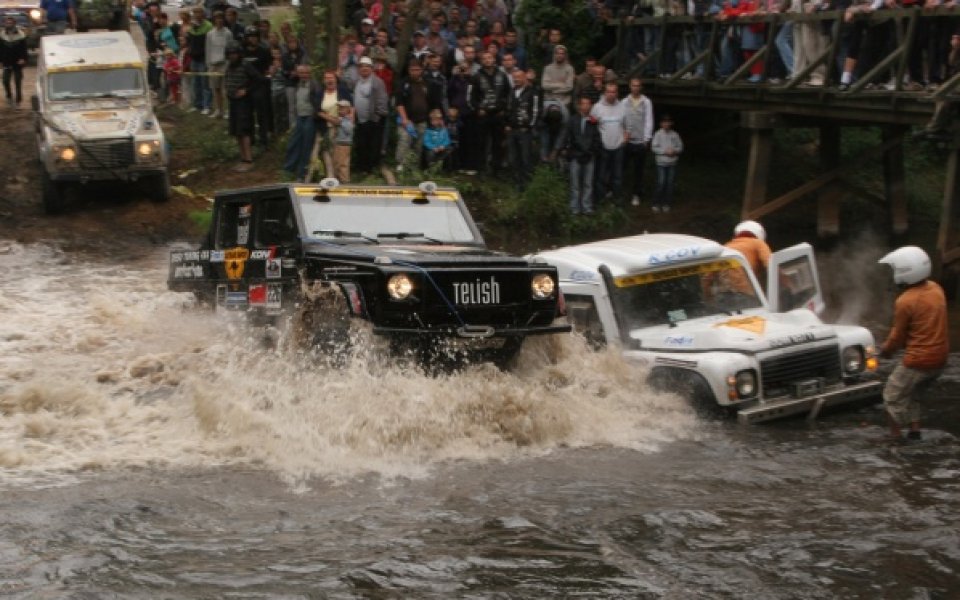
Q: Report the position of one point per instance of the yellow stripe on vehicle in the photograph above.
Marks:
(675, 273)
(88, 67)
(400, 194)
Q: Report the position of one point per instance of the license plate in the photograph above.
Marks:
(807, 387)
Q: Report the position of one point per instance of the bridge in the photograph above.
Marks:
(767, 107)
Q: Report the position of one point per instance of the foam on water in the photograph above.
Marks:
(101, 366)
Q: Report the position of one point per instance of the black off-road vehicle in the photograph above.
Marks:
(408, 260)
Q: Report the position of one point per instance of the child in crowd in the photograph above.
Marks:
(453, 130)
(667, 147)
(436, 139)
(172, 72)
(343, 140)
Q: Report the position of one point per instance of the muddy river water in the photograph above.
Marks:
(149, 450)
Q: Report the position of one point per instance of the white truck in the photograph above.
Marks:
(692, 311)
(93, 117)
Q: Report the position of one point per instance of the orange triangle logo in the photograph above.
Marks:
(752, 324)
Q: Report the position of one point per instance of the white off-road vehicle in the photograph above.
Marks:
(93, 116)
(692, 311)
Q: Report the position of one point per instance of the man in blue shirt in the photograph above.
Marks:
(59, 13)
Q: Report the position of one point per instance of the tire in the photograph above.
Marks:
(322, 324)
(54, 196)
(159, 188)
(689, 385)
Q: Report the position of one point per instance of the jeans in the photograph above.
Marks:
(16, 73)
(784, 42)
(665, 176)
(202, 96)
(610, 173)
(300, 147)
(636, 157)
(520, 148)
(581, 186)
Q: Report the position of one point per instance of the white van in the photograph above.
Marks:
(94, 118)
(691, 311)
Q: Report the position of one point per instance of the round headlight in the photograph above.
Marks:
(145, 148)
(542, 286)
(852, 360)
(35, 14)
(68, 154)
(746, 384)
(399, 286)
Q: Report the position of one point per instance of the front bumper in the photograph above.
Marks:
(118, 174)
(475, 332)
(787, 407)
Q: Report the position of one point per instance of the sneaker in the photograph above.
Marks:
(843, 87)
(665, 209)
(755, 79)
(215, 114)
(192, 109)
(656, 210)
(635, 201)
(205, 111)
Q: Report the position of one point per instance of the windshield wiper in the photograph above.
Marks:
(340, 233)
(402, 235)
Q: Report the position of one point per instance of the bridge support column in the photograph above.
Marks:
(947, 250)
(894, 178)
(761, 126)
(828, 200)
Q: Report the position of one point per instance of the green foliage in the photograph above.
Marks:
(571, 18)
(201, 218)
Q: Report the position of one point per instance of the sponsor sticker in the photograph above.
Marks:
(216, 256)
(272, 268)
(752, 324)
(234, 261)
(682, 341)
(188, 272)
(274, 296)
(257, 294)
(675, 273)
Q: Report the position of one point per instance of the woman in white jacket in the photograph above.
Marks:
(667, 147)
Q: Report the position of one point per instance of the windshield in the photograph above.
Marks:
(720, 287)
(96, 83)
(386, 219)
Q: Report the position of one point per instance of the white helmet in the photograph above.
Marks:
(910, 265)
(751, 227)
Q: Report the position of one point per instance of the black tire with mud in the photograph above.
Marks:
(157, 187)
(54, 194)
(689, 385)
(322, 323)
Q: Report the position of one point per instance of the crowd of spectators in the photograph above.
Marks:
(466, 95)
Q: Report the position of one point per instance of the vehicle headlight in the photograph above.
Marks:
(542, 286)
(66, 154)
(745, 383)
(146, 150)
(853, 362)
(399, 286)
(36, 14)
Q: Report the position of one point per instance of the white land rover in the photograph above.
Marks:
(93, 117)
(693, 312)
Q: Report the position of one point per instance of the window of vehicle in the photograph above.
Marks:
(276, 225)
(686, 292)
(97, 83)
(797, 283)
(233, 224)
(583, 315)
(382, 217)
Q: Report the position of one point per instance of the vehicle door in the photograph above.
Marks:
(590, 313)
(273, 242)
(793, 281)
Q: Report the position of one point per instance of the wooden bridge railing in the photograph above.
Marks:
(905, 25)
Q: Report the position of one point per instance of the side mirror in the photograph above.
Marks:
(35, 103)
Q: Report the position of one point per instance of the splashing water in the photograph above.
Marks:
(101, 367)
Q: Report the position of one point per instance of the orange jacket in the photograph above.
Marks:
(757, 253)
(920, 326)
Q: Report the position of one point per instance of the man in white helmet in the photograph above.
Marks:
(920, 328)
(749, 239)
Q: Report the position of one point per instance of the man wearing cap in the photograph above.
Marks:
(419, 49)
(370, 107)
(367, 36)
(240, 78)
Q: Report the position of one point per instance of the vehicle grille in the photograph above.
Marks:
(479, 289)
(776, 374)
(106, 154)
